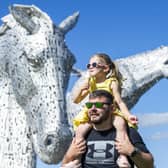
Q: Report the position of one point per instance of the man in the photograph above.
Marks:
(102, 148)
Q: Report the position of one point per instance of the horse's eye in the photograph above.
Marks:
(35, 63)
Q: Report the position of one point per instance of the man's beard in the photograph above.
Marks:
(100, 119)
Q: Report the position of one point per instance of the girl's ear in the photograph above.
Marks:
(106, 68)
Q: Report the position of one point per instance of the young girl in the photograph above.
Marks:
(103, 75)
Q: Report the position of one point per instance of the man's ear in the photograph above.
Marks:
(112, 108)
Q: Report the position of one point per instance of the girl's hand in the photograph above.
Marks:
(133, 119)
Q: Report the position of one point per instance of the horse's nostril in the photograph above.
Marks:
(49, 140)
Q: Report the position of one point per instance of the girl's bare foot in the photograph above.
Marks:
(122, 162)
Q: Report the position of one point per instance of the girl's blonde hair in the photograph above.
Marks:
(114, 71)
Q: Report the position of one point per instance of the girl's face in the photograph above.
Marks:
(97, 66)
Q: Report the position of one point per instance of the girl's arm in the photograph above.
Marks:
(80, 92)
(117, 96)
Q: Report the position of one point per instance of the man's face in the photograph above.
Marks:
(99, 114)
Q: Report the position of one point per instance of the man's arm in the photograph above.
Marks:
(76, 149)
(142, 159)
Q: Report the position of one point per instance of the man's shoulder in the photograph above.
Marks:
(133, 133)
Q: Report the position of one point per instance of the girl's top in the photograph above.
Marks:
(82, 117)
(101, 86)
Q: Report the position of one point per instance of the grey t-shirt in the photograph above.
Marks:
(101, 152)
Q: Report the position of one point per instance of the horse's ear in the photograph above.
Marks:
(68, 23)
(3, 29)
(23, 14)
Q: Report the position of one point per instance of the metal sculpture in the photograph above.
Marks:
(35, 66)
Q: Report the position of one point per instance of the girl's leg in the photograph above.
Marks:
(121, 133)
(82, 130)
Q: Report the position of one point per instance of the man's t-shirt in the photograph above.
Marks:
(101, 152)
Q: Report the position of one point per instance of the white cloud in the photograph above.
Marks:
(151, 119)
(160, 135)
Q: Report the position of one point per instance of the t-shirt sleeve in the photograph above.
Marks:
(137, 140)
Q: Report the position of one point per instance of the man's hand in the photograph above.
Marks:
(124, 147)
(76, 149)
(141, 160)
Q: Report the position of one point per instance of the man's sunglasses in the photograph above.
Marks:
(97, 104)
(94, 65)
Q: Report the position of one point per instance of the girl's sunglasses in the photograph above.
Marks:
(94, 65)
(97, 104)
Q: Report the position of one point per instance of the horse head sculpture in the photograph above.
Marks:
(37, 64)
(141, 72)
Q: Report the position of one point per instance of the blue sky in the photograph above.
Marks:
(120, 29)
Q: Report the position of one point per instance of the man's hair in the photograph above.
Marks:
(101, 93)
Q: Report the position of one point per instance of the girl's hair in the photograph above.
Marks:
(114, 71)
